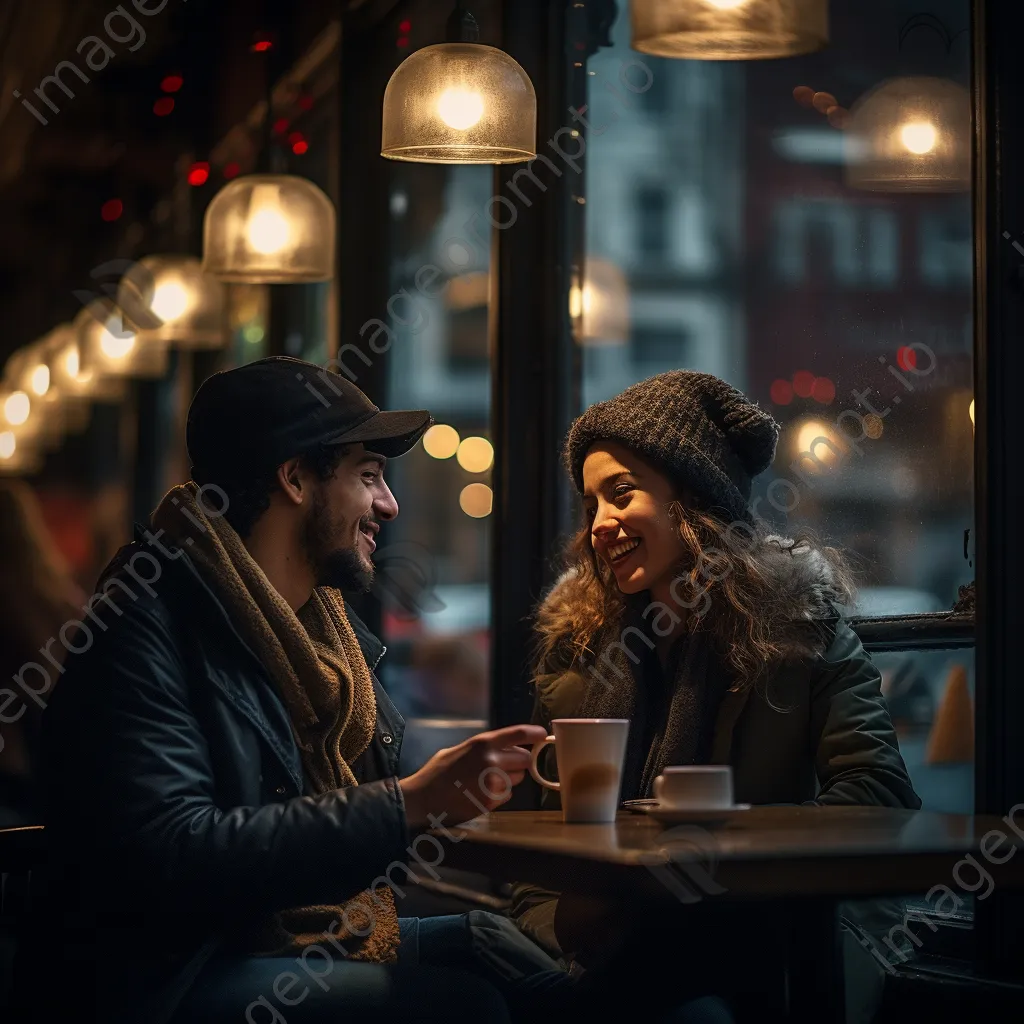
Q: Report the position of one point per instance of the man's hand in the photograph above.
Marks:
(460, 782)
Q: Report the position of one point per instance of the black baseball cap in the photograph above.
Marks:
(256, 416)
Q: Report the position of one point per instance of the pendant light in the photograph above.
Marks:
(18, 455)
(76, 385)
(729, 29)
(28, 373)
(460, 102)
(108, 345)
(269, 228)
(168, 300)
(910, 134)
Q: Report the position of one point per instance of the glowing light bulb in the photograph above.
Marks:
(71, 365)
(170, 300)
(460, 108)
(7, 444)
(16, 408)
(39, 381)
(919, 137)
(268, 230)
(116, 345)
(971, 412)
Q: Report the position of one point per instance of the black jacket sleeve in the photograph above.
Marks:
(129, 788)
(857, 756)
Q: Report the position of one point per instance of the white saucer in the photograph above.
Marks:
(675, 816)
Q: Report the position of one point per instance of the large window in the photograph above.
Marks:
(725, 233)
(435, 564)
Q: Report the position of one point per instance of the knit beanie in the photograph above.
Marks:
(700, 431)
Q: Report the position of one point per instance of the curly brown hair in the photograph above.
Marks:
(755, 592)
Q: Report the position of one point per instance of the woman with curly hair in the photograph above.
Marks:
(720, 641)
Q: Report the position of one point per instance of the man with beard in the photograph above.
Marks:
(220, 764)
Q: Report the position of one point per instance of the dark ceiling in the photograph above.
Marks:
(106, 142)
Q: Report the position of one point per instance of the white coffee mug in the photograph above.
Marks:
(696, 787)
(590, 753)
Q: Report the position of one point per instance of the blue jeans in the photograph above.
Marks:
(475, 967)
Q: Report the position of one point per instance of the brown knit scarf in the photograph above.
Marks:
(315, 661)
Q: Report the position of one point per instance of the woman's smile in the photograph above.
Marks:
(616, 553)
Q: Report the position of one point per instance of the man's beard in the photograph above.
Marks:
(342, 568)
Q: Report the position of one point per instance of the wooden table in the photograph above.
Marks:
(807, 859)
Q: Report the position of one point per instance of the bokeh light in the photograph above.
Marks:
(16, 408)
(823, 390)
(111, 209)
(476, 454)
(906, 357)
(803, 383)
(476, 500)
(441, 441)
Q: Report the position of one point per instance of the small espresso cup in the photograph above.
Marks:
(590, 753)
(697, 787)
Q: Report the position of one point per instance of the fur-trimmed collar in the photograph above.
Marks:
(805, 589)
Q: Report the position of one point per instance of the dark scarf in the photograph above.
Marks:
(672, 714)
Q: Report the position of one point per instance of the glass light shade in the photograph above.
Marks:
(25, 424)
(170, 301)
(28, 372)
(109, 347)
(460, 103)
(75, 387)
(18, 455)
(269, 229)
(910, 135)
(71, 380)
(599, 306)
(729, 29)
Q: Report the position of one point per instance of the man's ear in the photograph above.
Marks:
(290, 480)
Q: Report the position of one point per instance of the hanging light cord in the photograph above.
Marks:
(462, 26)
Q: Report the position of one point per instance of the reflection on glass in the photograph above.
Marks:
(721, 197)
(599, 306)
(729, 29)
(912, 135)
(930, 695)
